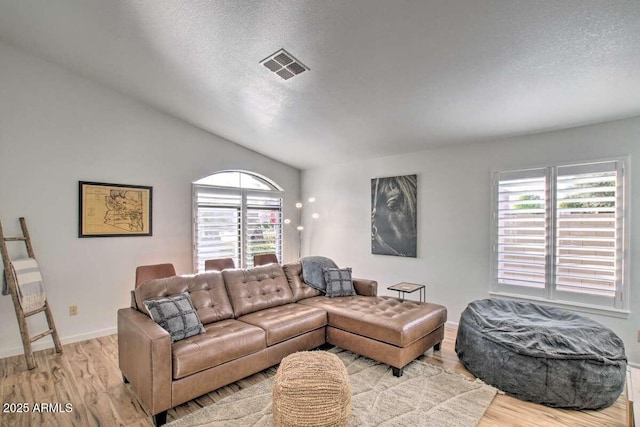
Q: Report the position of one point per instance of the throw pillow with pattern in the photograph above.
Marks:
(339, 282)
(177, 315)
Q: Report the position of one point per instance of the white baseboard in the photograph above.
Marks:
(48, 343)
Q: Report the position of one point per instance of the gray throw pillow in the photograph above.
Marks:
(339, 283)
(177, 315)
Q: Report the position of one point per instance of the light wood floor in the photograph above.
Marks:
(86, 375)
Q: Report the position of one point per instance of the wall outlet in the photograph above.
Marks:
(73, 310)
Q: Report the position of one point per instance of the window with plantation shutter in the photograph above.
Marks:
(218, 219)
(521, 248)
(559, 233)
(237, 217)
(588, 213)
(264, 225)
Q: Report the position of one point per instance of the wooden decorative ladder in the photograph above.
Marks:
(13, 290)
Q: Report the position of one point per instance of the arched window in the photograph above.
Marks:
(236, 215)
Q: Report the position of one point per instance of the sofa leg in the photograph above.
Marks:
(397, 372)
(438, 346)
(160, 419)
(325, 346)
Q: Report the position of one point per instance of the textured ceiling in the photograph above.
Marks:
(387, 77)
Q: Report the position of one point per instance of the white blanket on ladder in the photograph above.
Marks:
(30, 285)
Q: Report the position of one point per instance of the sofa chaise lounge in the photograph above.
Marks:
(252, 319)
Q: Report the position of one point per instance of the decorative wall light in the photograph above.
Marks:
(299, 223)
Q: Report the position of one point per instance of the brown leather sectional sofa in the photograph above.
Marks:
(255, 317)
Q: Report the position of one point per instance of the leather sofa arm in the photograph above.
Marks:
(144, 353)
(365, 287)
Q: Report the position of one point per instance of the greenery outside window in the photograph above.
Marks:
(236, 215)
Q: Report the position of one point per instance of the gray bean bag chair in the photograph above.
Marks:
(542, 354)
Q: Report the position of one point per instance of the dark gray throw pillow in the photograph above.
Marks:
(339, 283)
(177, 315)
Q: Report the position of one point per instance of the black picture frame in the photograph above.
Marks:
(114, 210)
(394, 216)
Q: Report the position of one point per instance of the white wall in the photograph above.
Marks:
(56, 129)
(454, 212)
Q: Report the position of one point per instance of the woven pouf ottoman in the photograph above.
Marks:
(312, 389)
(542, 354)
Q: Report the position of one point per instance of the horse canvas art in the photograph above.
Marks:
(394, 222)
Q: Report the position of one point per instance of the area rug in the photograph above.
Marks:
(425, 395)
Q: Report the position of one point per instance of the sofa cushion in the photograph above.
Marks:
(339, 283)
(301, 290)
(286, 321)
(386, 319)
(221, 342)
(207, 291)
(176, 315)
(257, 288)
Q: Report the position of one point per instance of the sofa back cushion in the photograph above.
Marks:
(207, 291)
(301, 290)
(257, 288)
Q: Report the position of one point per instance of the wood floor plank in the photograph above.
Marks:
(71, 383)
(86, 375)
(41, 389)
(110, 376)
(66, 390)
(91, 386)
(17, 392)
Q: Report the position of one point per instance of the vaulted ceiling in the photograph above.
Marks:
(386, 76)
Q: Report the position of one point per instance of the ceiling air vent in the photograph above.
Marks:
(284, 64)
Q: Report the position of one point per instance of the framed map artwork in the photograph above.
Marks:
(110, 210)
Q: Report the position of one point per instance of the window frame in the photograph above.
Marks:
(243, 207)
(618, 306)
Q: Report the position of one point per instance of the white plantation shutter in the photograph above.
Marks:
(264, 225)
(559, 233)
(588, 251)
(218, 224)
(236, 223)
(521, 218)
